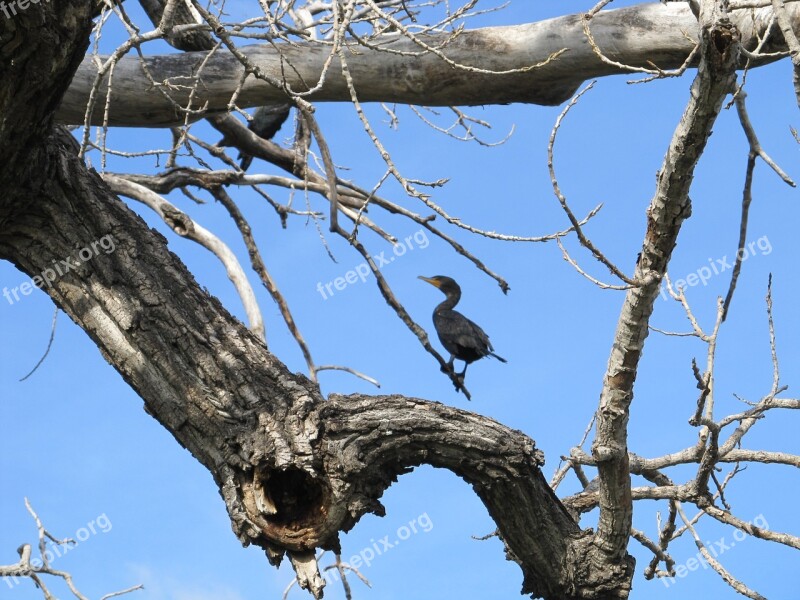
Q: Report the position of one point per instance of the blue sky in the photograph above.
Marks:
(77, 443)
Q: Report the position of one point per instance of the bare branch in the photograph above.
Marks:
(49, 345)
(26, 567)
(184, 226)
(715, 564)
(563, 201)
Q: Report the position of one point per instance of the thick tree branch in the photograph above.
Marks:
(668, 209)
(502, 466)
(396, 69)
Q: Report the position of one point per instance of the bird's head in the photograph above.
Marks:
(447, 285)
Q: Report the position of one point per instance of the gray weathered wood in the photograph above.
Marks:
(640, 36)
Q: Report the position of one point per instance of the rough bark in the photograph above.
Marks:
(639, 36)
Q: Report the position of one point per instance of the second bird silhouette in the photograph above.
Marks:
(267, 120)
(462, 338)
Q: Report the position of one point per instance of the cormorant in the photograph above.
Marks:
(462, 338)
(267, 120)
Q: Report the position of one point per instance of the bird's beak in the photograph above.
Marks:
(433, 282)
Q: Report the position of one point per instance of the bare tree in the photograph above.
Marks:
(293, 467)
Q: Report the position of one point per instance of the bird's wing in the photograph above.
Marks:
(481, 335)
(266, 122)
(463, 332)
(268, 119)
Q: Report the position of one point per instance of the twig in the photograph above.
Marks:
(726, 576)
(49, 345)
(585, 242)
(260, 268)
(351, 371)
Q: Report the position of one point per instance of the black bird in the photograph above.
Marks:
(267, 120)
(462, 338)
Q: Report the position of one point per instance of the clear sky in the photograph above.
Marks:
(76, 441)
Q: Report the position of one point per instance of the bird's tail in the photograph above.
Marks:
(500, 358)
